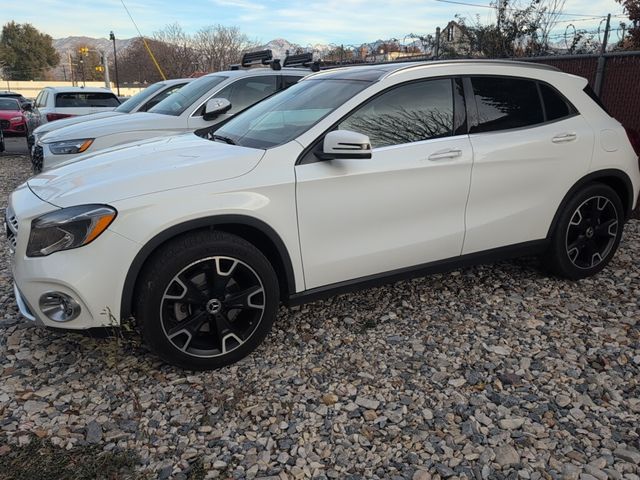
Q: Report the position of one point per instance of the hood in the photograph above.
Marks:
(65, 122)
(10, 114)
(111, 125)
(143, 168)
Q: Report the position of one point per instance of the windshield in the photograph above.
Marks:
(177, 103)
(283, 117)
(139, 98)
(9, 104)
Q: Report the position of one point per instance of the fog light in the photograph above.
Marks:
(59, 307)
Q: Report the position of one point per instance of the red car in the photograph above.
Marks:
(14, 118)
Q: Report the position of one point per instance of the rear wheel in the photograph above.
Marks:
(206, 300)
(587, 234)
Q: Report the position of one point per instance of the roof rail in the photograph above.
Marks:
(302, 60)
(261, 57)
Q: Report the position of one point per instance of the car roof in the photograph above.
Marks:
(172, 81)
(380, 71)
(247, 72)
(78, 89)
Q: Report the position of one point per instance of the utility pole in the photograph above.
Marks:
(112, 37)
(70, 68)
(437, 47)
(105, 65)
(601, 59)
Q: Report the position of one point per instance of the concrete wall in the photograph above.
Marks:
(30, 89)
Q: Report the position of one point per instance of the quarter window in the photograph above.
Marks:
(247, 91)
(505, 103)
(555, 106)
(409, 113)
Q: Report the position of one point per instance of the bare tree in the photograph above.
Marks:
(218, 47)
(552, 10)
(177, 55)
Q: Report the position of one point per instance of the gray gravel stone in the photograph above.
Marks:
(492, 372)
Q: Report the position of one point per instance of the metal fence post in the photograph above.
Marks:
(601, 59)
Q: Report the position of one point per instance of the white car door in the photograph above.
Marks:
(404, 206)
(528, 153)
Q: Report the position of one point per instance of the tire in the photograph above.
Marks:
(587, 233)
(206, 299)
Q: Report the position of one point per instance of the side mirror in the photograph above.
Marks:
(345, 144)
(215, 107)
(27, 107)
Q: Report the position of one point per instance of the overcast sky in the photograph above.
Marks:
(313, 21)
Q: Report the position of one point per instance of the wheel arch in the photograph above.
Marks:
(614, 178)
(255, 231)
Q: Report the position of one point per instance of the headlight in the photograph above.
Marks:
(70, 146)
(15, 119)
(68, 228)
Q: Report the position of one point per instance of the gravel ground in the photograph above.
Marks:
(489, 372)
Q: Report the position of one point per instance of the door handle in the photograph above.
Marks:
(564, 137)
(444, 154)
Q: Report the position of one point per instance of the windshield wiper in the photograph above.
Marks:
(224, 139)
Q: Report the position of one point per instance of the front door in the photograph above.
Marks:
(403, 207)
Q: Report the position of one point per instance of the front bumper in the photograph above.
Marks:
(25, 310)
(92, 275)
(50, 160)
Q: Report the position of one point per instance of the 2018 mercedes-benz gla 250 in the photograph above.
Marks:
(351, 176)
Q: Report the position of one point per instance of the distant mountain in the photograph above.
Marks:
(67, 45)
(72, 44)
(64, 46)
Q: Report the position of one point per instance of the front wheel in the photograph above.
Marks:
(206, 300)
(587, 234)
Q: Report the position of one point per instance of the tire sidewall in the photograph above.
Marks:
(167, 267)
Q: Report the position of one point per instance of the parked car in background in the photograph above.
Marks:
(352, 177)
(187, 110)
(16, 118)
(8, 94)
(140, 102)
(55, 103)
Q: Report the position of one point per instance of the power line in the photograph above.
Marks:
(144, 40)
(514, 9)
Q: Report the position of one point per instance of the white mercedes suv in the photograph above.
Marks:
(140, 102)
(349, 178)
(187, 110)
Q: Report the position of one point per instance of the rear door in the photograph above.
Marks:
(404, 206)
(530, 146)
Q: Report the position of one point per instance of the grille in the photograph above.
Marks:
(4, 124)
(11, 228)
(37, 158)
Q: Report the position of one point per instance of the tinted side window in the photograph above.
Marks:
(41, 100)
(89, 99)
(160, 97)
(247, 91)
(505, 103)
(555, 106)
(409, 113)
